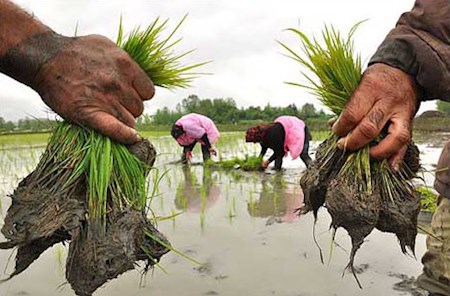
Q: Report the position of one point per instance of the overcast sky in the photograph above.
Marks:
(239, 36)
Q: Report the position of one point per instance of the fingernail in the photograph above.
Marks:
(396, 166)
(340, 143)
(333, 127)
(138, 136)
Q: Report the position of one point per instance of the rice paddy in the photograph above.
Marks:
(240, 225)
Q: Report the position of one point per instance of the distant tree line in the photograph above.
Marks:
(222, 111)
(225, 111)
(26, 125)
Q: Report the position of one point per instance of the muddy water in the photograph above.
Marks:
(241, 226)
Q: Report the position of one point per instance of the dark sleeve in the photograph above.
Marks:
(420, 46)
(263, 150)
(275, 140)
(205, 140)
(188, 147)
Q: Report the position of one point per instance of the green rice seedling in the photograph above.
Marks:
(251, 203)
(184, 255)
(231, 215)
(155, 54)
(360, 193)
(204, 199)
(428, 198)
(60, 254)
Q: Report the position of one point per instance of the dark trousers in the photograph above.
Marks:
(205, 152)
(304, 156)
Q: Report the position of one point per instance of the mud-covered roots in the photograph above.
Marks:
(315, 180)
(354, 210)
(93, 259)
(411, 161)
(40, 216)
(400, 217)
(359, 200)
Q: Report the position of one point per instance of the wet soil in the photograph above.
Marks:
(244, 227)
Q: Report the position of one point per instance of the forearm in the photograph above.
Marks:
(205, 140)
(25, 43)
(263, 150)
(16, 25)
(420, 46)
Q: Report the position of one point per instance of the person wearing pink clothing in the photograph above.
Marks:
(193, 128)
(285, 134)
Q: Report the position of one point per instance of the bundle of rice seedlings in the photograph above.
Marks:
(360, 193)
(93, 191)
(248, 163)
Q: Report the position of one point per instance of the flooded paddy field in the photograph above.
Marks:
(240, 225)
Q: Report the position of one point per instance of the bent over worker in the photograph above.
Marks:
(285, 134)
(193, 128)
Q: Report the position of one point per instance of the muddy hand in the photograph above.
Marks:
(93, 82)
(212, 151)
(385, 95)
(264, 164)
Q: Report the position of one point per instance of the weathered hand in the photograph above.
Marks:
(93, 82)
(264, 164)
(384, 95)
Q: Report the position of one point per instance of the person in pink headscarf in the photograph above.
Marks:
(285, 134)
(193, 128)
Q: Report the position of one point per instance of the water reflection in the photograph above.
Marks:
(278, 200)
(196, 196)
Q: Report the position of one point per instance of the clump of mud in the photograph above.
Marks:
(360, 211)
(40, 217)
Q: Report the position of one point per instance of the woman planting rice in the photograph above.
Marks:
(285, 134)
(193, 128)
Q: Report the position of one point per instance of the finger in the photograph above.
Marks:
(356, 109)
(399, 134)
(366, 131)
(122, 114)
(332, 120)
(132, 102)
(143, 85)
(136, 76)
(397, 158)
(110, 126)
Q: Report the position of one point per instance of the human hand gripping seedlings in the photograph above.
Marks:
(93, 82)
(385, 95)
